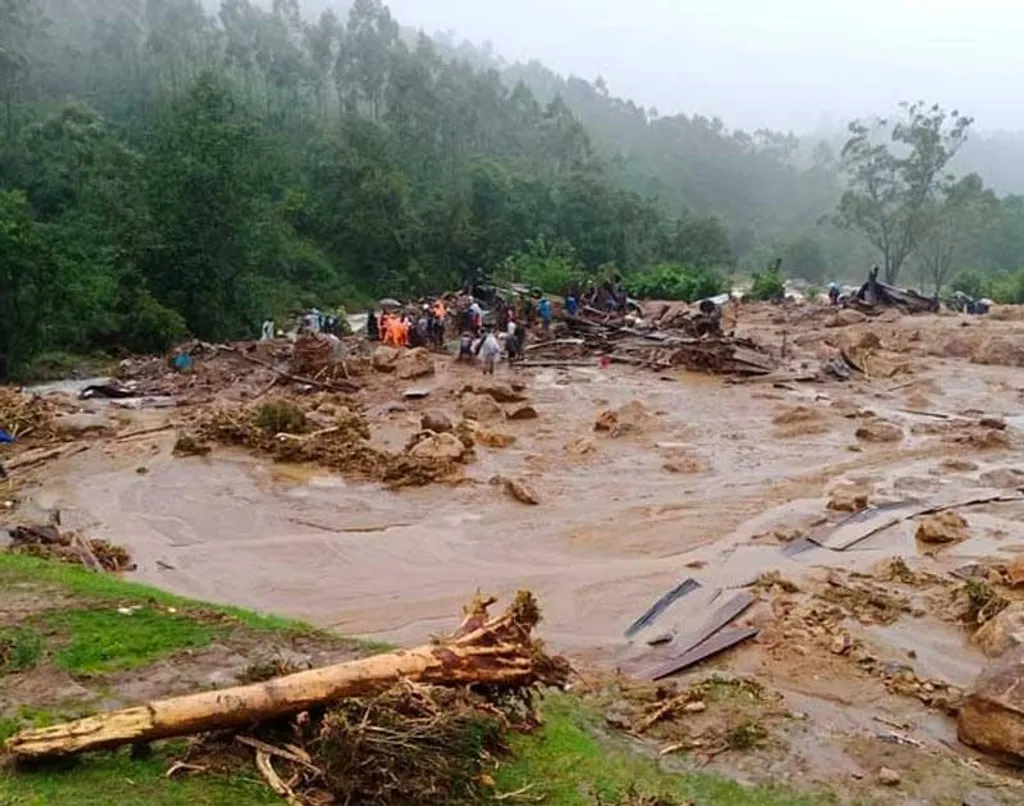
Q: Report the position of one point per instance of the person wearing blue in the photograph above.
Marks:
(544, 309)
(833, 293)
(5, 439)
(571, 306)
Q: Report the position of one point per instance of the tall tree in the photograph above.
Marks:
(895, 170)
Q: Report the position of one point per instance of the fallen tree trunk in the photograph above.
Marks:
(345, 387)
(498, 652)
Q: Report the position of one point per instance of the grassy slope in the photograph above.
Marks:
(568, 762)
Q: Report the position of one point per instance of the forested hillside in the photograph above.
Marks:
(165, 169)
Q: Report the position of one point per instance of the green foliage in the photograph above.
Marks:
(675, 282)
(280, 417)
(552, 267)
(20, 649)
(891, 187)
(767, 285)
(1007, 289)
(972, 283)
(102, 640)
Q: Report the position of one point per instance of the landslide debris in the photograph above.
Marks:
(291, 431)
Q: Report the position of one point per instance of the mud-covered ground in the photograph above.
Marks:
(694, 477)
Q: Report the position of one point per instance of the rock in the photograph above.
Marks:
(849, 498)
(520, 491)
(384, 358)
(482, 409)
(943, 527)
(958, 466)
(524, 413)
(845, 318)
(842, 644)
(436, 421)
(501, 392)
(880, 431)
(443, 447)
(1008, 478)
(997, 423)
(630, 418)
(83, 423)
(889, 777)
(607, 422)
(1002, 632)
(1014, 573)
(416, 363)
(991, 716)
(695, 707)
(580, 447)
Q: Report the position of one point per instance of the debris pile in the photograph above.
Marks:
(28, 418)
(414, 726)
(48, 542)
(304, 432)
(875, 296)
(681, 340)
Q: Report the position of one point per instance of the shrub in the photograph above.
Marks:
(672, 282)
(768, 285)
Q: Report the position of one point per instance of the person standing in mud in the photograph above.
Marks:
(490, 351)
(5, 439)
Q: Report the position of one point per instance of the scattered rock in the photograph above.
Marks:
(188, 445)
(958, 466)
(416, 363)
(846, 317)
(880, 431)
(1013, 573)
(1003, 632)
(580, 447)
(520, 491)
(943, 527)
(501, 392)
(849, 498)
(524, 413)
(842, 643)
(997, 423)
(991, 717)
(796, 414)
(1005, 477)
(684, 465)
(889, 777)
(444, 447)
(697, 707)
(436, 421)
(384, 358)
(482, 408)
(628, 419)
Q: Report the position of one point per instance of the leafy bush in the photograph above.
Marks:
(551, 266)
(971, 283)
(672, 282)
(768, 285)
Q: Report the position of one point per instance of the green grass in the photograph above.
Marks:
(20, 649)
(108, 640)
(19, 569)
(112, 779)
(566, 764)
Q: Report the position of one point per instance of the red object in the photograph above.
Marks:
(604, 362)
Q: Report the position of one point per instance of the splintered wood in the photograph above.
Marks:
(494, 652)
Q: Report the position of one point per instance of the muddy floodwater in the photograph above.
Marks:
(707, 479)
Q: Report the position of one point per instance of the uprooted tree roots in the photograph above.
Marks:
(414, 726)
(285, 430)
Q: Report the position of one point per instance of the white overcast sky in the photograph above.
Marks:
(784, 64)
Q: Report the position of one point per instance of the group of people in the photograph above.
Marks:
(396, 329)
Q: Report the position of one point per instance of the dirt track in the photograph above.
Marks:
(711, 483)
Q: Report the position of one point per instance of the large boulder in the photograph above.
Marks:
(523, 413)
(880, 431)
(991, 716)
(443, 447)
(384, 358)
(436, 421)
(1003, 632)
(943, 527)
(416, 363)
(483, 409)
(846, 317)
(501, 392)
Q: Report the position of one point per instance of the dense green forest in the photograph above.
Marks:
(166, 169)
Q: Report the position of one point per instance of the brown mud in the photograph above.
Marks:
(688, 475)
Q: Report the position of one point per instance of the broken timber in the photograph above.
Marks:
(498, 652)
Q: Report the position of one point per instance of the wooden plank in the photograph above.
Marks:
(719, 643)
(660, 606)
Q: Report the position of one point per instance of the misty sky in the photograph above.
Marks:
(789, 64)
